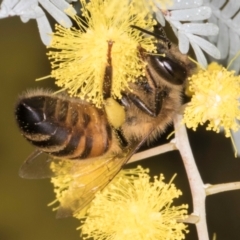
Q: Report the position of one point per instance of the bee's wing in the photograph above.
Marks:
(36, 166)
(83, 188)
(89, 176)
(92, 178)
(39, 165)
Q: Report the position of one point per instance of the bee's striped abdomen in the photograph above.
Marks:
(64, 128)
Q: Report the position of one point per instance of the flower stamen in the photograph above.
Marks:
(78, 56)
(215, 100)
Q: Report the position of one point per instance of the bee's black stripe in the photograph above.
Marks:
(50, 106)
(62, 129)
(56, 139)
(74, 117)
(88, 147)
(62, 114)
(71, 146)
(86, 120)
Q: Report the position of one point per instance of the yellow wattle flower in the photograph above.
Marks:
(216, 92)
(79, 56)
(133, 207)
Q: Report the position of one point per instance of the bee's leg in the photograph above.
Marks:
(159, 97)
(158, 93)
(107, 81)
(107, 87)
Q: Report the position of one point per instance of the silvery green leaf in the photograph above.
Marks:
(223, 39)
(176, 24)
(218, 3)
(213, 20)
(30, 9)
(63, 5)
(203, 29)
(44, 28)
(14, 7)
(31, 14)
(199, 54)
(193, 14)
(184, 4)
(160, 18)
(57, 14)
(236, 21)
(208, 47)
(183, 42)
(226, 14)
(234, 47)
(230, 9)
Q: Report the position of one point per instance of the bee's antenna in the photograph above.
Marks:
(161, 36)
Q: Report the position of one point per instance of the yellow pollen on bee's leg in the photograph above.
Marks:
(115, 112)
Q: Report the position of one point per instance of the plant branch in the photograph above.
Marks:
(217, 188)
(192, 219)
(194, 178)
(152, 152)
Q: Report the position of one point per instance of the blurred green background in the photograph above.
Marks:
(24, 214)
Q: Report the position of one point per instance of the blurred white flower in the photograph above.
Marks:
(184, 17)
(30, 9)
(226, 14)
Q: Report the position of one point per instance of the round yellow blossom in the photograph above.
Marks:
(215, 100)
(132, 207)
(79, 56)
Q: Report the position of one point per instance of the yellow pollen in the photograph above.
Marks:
(79, 56)
(216, 92)
(133, 207)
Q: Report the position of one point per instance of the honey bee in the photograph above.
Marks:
(74, 129)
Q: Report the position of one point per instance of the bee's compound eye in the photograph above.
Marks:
(177, 71)
(172, 71)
